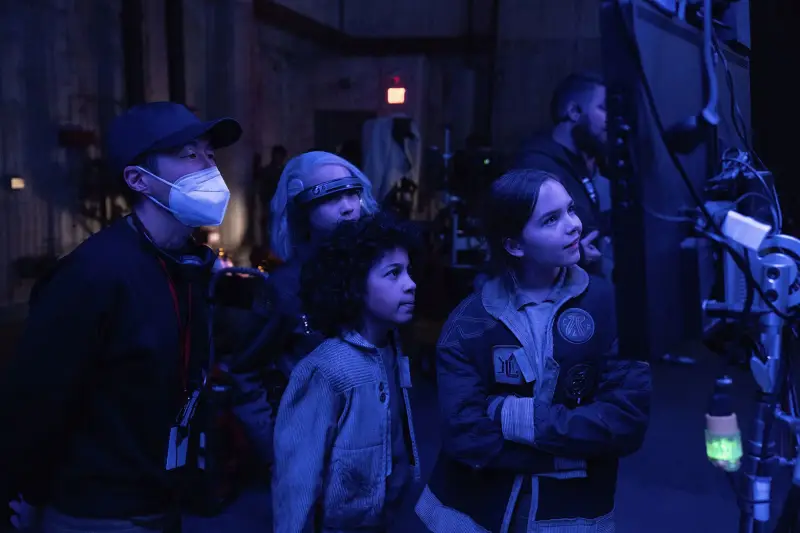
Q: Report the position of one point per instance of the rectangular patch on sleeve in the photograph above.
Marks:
(511, 366)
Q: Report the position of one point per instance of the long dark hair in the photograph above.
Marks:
(509, 205)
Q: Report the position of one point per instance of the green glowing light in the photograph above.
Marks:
(725, 451)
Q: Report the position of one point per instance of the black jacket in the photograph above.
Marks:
(287, 338)
(294, 338)
(98, 378)
(477, 465)
(543, 153)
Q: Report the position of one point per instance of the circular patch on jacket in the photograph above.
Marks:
(576, 325)
(580, 382)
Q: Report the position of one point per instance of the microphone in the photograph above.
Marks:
(723, 439)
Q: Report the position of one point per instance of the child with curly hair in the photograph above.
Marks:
(345, 449)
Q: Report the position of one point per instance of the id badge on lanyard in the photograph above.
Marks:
(179, 434)
(590, 190)
(178, 445)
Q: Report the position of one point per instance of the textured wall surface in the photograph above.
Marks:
(63, 67)
(410, 18)
(539, 44)
(327, 12)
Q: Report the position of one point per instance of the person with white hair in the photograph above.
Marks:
(315, 192)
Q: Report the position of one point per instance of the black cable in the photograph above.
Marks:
(774, 204)
(752, 284)
(709, 111)
(739, 124)
(741, 260)
(740, 127)
(788, 518)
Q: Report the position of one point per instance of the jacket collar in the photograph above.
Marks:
(500, 295)
(354, 338)
(499, 298)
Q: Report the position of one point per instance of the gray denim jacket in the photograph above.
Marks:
(333, 447)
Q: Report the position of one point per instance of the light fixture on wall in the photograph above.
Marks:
(396, 93)
(15, 183)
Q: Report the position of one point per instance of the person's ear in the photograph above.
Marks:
(513, 247)
(134, 179)
(574, 111)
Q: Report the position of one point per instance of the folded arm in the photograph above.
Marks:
(613, 424)
(472, 433)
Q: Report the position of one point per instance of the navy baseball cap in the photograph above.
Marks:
(161, 126)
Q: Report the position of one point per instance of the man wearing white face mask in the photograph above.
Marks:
(117, 338)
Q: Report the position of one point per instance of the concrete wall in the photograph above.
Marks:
(360, 83)
(409, 18)
(63, 66)
(327, 12)
(540, 43)
(378, 18)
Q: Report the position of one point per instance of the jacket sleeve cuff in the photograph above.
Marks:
(517, 420)
(563, 464)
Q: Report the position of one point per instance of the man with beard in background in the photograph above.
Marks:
(572, 151)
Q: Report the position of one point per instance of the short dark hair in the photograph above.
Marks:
(334, 279)
(148, 161)
(509, 205)
(574, 88)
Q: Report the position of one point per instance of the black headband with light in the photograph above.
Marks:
(329, 188)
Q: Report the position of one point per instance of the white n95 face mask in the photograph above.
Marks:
(197, 199)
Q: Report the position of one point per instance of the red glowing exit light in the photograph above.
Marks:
(396, 95)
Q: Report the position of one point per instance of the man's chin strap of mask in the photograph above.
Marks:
(329, 188)
(192, 205)
(204, 259)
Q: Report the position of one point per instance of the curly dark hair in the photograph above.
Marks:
(333, 281)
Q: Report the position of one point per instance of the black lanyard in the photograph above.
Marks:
(184, 328)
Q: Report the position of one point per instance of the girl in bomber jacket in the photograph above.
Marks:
(537, 405)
